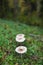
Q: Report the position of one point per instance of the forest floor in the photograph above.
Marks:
(34, 43)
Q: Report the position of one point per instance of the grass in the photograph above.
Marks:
(8, 32)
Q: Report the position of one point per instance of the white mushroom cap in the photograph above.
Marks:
(20, 38)
(21, 49)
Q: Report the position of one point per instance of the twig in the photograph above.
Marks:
(38, 37)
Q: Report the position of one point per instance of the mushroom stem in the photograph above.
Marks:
(21, 56)
(21, 59)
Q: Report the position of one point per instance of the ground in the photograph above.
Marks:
(34, 43)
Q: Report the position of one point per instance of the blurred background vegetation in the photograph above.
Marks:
(25, 11)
